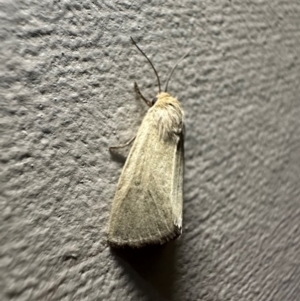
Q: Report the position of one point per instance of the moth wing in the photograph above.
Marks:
(147, 207)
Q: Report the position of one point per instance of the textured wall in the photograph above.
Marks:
(66, 94)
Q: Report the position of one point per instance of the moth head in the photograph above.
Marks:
(153, 101)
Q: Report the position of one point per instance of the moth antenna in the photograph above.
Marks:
(135, 44)
(171, 73)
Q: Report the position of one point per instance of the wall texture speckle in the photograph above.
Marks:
(66, 94)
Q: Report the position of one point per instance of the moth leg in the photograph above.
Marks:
(137, 90)
(123, 145)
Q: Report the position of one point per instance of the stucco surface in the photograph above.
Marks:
(66, 94)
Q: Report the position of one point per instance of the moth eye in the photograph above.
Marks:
(154, 100)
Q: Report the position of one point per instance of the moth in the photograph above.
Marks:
(147, 207)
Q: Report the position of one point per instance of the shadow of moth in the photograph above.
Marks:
(147, 207)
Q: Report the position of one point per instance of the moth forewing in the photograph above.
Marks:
(147, 207)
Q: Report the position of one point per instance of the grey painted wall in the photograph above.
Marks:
(66, 77)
